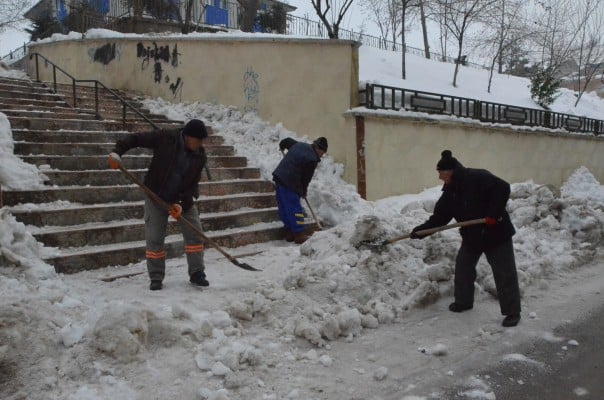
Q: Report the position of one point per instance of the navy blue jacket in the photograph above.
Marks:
(474, 194)
(297, 167)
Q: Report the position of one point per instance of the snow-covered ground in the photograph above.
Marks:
(324, 320)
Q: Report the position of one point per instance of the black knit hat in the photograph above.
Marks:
(195, 128)
(321, 143)
(447, 161)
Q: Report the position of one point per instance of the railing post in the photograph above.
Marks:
(73, 86)
(54, 78)
(37, 69)
(124, 116)
(96, 99)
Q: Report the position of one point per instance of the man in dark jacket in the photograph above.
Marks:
(292, 177)
(173, 175)
(472, 194)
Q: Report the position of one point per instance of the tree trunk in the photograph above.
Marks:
(250, 8)
(424, 29)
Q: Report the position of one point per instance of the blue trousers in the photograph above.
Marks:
(290, 209)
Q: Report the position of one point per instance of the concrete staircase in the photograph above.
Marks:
(93, 215)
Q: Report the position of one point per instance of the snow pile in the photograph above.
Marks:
(15, 174)
(259, 142)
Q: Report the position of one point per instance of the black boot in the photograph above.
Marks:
(511, 320)
(199, 278)
(155, 285)
(456, 307)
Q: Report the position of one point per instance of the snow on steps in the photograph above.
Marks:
(91, 217)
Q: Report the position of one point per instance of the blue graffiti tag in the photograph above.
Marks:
(251, 90)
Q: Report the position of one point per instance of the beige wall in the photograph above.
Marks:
(306, 84)
(401, 153)
(309, 85)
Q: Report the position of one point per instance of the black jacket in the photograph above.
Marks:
(166, 145)
(297, 167)
(474, 194)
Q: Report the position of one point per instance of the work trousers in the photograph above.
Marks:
(290, 209)
(501, 259)
(156, 222)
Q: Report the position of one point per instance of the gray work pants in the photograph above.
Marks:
(156, 222)
(503, 264)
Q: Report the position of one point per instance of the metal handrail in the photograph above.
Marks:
(125, 104)
(375, 96)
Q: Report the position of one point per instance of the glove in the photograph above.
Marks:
(114, 161)
(414, 235)
(490, 221)
(175, 211)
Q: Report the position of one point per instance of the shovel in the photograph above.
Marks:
(313, 215)
(166, 206)
(378, 244)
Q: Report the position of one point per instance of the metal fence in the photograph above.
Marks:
(375, 96)
(15, 55)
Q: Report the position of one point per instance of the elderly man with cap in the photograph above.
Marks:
(470, 193)
(173, 175)
(292, 177)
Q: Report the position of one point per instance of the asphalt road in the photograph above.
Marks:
(576, 372)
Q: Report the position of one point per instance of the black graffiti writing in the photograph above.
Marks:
(157, 53)
(104, 54)
(176, 87)
(157, 72)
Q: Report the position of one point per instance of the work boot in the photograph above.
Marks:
(155, 285)
(301, 237)
(199, 278)
(456, 307)
(289, 235)
(511, 320)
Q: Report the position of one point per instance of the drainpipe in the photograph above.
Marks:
(360, 149)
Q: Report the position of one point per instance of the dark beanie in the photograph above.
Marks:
(195, 128)
(321, 143)
(447, 161)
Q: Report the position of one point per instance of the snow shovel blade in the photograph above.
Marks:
(376, 245)
(245, 266)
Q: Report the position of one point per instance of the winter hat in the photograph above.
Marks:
(321, 143)
(447, 161)
(195, 128)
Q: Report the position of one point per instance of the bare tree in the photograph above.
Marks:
(423, 22)
(336, 9)
(461, 15)
(11, 12)
(502, 31)
(589, 20)
(386, 15)
(406, 7)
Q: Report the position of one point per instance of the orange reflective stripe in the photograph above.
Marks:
(155, 254)
(194, 248)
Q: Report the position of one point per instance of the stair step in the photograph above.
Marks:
(129, 162)
(102, 233)
(88, 149)
(65, 214)
(110, 194)
(107, 176)
(79, 259)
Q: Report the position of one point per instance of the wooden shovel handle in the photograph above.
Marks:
(430, 231)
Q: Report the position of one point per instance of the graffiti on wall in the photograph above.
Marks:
(251, 90)
(159, 57)
(105, 54)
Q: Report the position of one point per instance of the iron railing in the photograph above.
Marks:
(87, 82)
(375, 96)
(15, 55)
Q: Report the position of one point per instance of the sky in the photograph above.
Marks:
(328, 319)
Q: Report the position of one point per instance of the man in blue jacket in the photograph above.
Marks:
(470, 193)
(292, 177)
